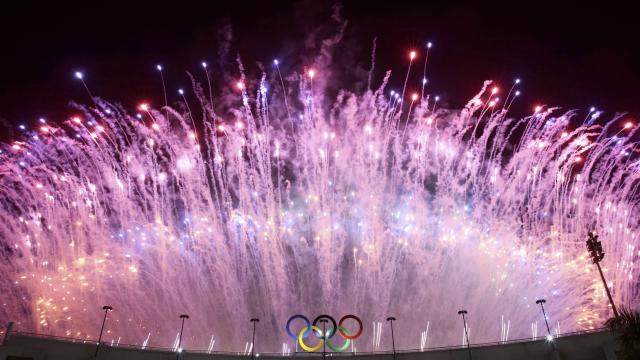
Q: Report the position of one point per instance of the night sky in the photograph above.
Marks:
(569, 56)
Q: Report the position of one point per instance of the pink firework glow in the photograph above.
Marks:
(282, 199)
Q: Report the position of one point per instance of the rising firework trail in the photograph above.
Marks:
(290, 201)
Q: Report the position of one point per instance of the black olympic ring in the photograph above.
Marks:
(333, 330)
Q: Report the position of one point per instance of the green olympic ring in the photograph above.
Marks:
(344, 346)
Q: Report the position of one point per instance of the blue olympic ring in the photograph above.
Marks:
(308, 326)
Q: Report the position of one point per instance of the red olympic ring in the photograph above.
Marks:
(340, 327)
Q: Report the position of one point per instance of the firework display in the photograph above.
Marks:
(281, 199)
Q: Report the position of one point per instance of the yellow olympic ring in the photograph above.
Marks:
(305, 346)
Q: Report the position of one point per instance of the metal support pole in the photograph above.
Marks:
(179, 349)
(541, 302)
(390, 319)
(106, 309)
(253, 338)
(604, 282)
(324, 338)
(466, 333)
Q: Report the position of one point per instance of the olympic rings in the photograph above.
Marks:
(327, 334)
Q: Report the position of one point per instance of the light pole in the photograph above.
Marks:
(391, 319)
(183, 317)
(106, 309)
(541, 303)
(466, 333)
(324, 337)
(253, 337)
(595, 252)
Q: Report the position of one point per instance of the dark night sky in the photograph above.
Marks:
(569, 56)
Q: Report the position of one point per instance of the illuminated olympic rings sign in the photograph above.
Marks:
(330, 333)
